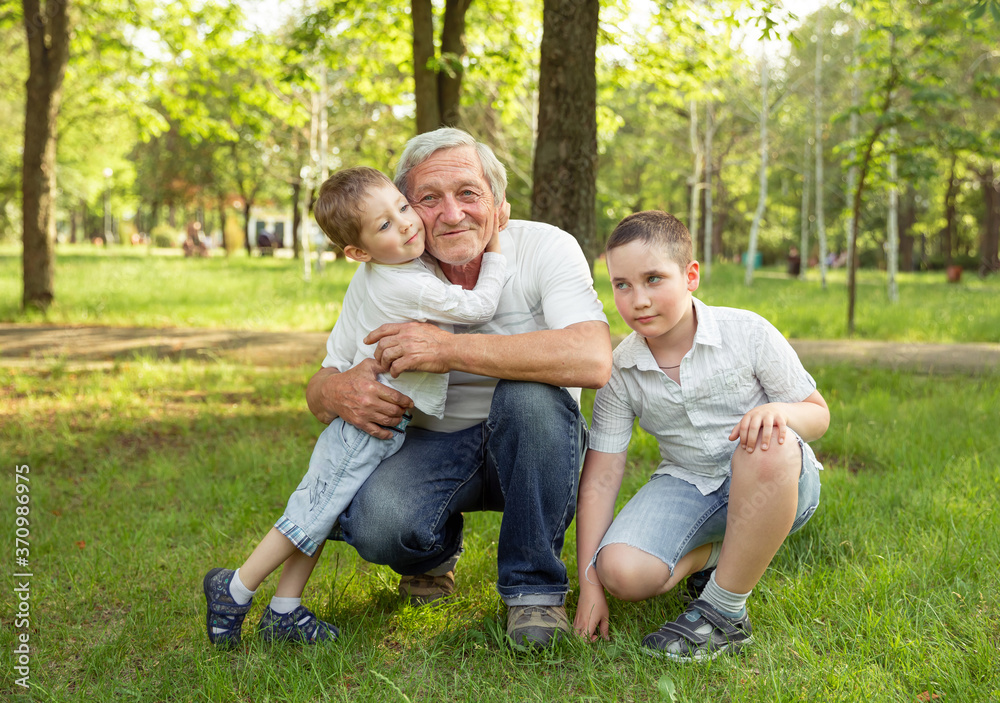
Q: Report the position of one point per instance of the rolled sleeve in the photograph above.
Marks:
(611, 429)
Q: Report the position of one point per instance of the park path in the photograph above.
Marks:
(34, 345)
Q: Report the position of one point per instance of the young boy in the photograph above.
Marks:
(732, 409)
(361, 211)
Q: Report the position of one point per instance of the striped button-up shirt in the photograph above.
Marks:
(738, 361)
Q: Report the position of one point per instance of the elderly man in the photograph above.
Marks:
(512, 437)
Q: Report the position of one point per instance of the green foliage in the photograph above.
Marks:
(164, 236)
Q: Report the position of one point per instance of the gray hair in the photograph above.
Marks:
(422, 146)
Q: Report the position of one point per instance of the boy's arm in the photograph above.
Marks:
(423, 297)
(809, 418)
(442, 302)
(599, 485)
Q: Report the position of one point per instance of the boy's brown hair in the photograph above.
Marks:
(340, 205)
(655, 227)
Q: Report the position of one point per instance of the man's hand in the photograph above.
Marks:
(359, 399)
(411, 346)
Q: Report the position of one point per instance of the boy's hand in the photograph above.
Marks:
(504, 212)
(493, 245)
(768, 421)
(591, 619)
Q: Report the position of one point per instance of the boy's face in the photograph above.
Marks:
(652, 291)
(391, 232)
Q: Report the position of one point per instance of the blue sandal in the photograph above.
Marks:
(300, 625)
(699, 634)
(225, 616)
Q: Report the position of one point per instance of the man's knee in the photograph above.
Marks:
(536, 409)
(385, 531)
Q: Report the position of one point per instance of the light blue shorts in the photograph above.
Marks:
(342, 460)
(669, 517)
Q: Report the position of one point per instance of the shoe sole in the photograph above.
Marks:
(732, 649)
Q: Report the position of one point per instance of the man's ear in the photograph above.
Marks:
(357, 253)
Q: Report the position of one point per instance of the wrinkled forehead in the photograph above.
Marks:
(447, 169)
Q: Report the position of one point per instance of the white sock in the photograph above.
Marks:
(284, 605)
(240, 593)
(713, 557)
(726, 602)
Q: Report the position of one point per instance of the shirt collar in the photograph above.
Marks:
(633, 350)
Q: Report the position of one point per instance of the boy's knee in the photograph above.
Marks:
(778, 464)
(630, 574)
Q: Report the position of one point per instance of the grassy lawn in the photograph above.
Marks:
(131, 287)
(144, 477)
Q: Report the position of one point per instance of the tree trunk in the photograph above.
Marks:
(695, 191)
(47, 68)
(907, 218)
(989, 242)
(948, 232)
(565, 168)
(762, 197)
(296, 217)
(425, 84)
(247, 207)
(892, 255)
(820, 218)
(709, 222)
(804, 224)
(452, 53)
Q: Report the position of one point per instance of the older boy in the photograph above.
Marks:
(732, 409)
(362, 212)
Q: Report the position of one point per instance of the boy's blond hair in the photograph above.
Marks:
(340, 206)
(655, 227)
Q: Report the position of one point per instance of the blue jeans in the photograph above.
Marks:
(524, 460)
(342, 460)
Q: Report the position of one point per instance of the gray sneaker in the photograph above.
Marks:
(537, 625)
(225, 616)
(300, 625)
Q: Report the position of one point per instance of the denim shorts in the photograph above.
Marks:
(342, 460)
(668, 517)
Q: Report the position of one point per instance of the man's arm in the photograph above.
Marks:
(356, 396)
(576, 356)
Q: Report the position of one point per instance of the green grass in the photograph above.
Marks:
(130, 287)
(146, 475)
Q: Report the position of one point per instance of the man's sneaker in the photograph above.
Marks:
(695, 584)
(225, 616)
(421, 589)
(537, 625)
(701, 632)
(300, 625)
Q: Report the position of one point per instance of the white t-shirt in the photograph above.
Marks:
(548, 286)
(412, 292)
(738, 361)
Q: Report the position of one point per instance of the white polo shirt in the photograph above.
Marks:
(547, 286)
(738, 361)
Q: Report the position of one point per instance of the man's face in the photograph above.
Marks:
(452, 196)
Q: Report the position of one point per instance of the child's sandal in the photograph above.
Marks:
(700, 633)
